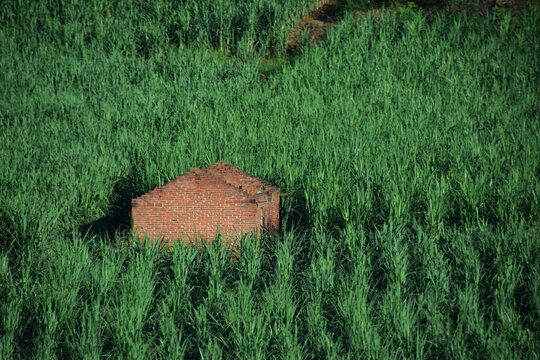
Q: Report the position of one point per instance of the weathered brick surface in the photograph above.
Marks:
(203, 202)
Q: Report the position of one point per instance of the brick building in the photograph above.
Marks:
(202, 202)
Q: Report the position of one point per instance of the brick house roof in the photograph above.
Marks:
(200, 200)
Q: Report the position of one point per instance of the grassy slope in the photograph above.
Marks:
(410, 151)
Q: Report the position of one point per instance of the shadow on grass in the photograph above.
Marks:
(111, 226)
(117, 223)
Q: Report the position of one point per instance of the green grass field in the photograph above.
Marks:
(410, 148)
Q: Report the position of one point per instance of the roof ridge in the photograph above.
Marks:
(218, 175)
(216, 171)
(249, 180)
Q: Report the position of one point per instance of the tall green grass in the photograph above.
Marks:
(246, 28)
(410, 151)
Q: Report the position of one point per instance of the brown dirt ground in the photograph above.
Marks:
(317, 23)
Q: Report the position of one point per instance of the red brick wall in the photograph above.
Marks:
(203, 202)
(272, 215)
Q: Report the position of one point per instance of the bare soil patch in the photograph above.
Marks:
(315, 26)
